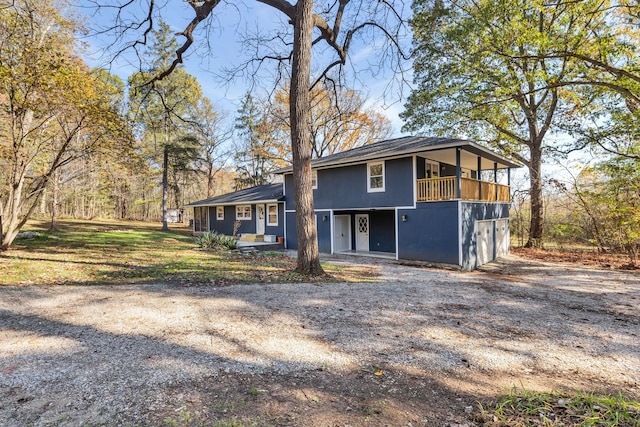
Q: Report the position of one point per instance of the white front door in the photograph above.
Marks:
(260, 217)
(362, 232)
(484, 240)
(342, 233)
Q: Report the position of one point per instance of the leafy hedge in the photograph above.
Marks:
(213, 240)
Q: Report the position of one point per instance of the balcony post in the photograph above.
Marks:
(458, 175)
(495, 177)
(479, 176)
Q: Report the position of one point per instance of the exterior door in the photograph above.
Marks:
(260, 218)
(362, 232)
(341, 233)
(484, 241)
(502, 237)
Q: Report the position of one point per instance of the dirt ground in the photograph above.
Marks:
(421, 347)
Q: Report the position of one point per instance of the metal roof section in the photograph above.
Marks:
(267, 193)
(406, 146)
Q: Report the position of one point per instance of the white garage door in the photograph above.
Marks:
(484, 239)
(502, 237)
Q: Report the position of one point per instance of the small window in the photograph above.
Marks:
(243, 212)
(272, 214)
(375, 177)
(314, 179)
(220, 213)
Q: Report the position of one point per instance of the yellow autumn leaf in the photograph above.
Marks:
(378, 373)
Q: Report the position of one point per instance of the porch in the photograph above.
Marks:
(445, 188)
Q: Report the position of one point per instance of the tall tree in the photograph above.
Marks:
(338, 120)
(490, 70)
(212, 140)
(164, 107)
(339, 25)
(53, 109)
(259, 151)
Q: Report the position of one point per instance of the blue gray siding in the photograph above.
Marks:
(346, 187)
(430, 232)
(225, 226)
(472, 212)
(323, 228)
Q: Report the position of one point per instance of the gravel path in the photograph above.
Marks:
(100, 355)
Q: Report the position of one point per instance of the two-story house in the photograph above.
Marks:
(411, 198)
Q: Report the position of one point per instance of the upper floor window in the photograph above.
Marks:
(243, 212)
(220, 213)
(314, 179)
(375, 177)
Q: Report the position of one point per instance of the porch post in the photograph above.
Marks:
(479, 176)
(509, 177)
(458, 175)
(495, 177)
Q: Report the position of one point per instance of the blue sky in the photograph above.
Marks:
(222, 47)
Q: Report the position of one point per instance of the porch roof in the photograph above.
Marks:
(411, 145)
(267, 193)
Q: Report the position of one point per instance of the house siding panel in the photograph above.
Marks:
(382, 237)
(346, 187)
(430, 233)
(472, 212)
(276, 230)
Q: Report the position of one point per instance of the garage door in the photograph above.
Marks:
(502, 237)
(484, 238)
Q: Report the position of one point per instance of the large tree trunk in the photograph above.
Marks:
(537, 207)
(54, 203)
(165, 187)
(308, 254)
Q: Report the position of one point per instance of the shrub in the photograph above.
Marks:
(213, 240)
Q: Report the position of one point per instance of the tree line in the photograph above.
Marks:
(83, 143)
(535, 80)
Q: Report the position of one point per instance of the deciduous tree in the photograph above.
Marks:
(508, 73)
(54, 110)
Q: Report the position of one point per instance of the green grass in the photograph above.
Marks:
(119, 252)
(584, 409)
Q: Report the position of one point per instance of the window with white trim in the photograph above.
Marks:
(243, 212)
(431, 169)
(314, 179)
(220, 213)
(272, 215)
(375, 177)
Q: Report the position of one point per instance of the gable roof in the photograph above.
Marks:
(267, 193)
(406, 145)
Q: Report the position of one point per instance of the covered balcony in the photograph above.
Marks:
(457, 174)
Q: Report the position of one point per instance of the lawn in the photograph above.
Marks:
(116, 252)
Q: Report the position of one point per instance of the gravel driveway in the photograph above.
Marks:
(420, 347)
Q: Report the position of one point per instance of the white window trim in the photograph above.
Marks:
(219, 209)
(314, 176)
(272, 224)
(374, 190)
(243, 218)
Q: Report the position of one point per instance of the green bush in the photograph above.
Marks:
(213, 240)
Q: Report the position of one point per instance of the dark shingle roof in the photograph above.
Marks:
(260, 193)
(401, 146)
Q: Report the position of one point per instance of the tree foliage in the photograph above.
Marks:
(338, 120)
(513, 73)
(261, 149)
(54, 110)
